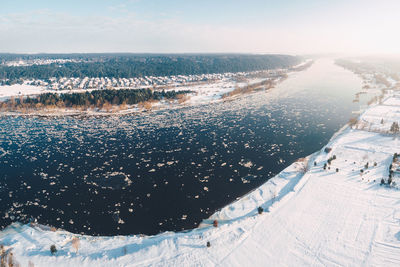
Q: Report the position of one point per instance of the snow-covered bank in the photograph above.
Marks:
(265, 196)
(201, 94)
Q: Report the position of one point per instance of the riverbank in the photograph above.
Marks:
(198, 95)
(330, 208)
(201, 93)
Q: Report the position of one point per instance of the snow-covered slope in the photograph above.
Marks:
(340, 216)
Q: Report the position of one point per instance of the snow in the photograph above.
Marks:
(311, 216)
(205, 93)
(15, 90)
(380, 117)
(214, 91)
(264, 196)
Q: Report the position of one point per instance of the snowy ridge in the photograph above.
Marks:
(338, 216)
(270, 193)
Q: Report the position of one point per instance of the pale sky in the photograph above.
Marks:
(184, 26)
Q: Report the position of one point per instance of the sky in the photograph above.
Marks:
(206, 26)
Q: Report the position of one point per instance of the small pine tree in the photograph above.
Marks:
(53, 249)
(337, 169)
(260, 210)
(375, 164)
(382, 121)
(394, 128)
(390, 180)
(334, 157)
(315, 163)
(382, 181)
(366, 165)
(325, 166)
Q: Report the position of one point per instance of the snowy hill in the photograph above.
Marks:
(338, 216)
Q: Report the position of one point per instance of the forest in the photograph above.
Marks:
(139, 65)
(103, 99)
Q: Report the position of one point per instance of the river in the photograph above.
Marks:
(166, 170)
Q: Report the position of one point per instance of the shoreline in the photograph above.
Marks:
(159, 106)
(227, 95)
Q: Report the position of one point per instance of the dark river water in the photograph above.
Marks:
(165, 170)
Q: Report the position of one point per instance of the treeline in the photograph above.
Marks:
(134, 65)
(94, 99)
(389, 66)
(355, 66)
(360, 67)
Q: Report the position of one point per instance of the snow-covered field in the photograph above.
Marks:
(213, 91)
(208, 92)
(380, 117)
(7, 91)
(341, 216)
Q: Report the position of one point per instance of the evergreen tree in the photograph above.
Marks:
(53, 249)
(260, 210)
(394, 128)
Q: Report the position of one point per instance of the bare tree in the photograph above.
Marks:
(75, 244)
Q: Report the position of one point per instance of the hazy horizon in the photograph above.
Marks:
(137, 26)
